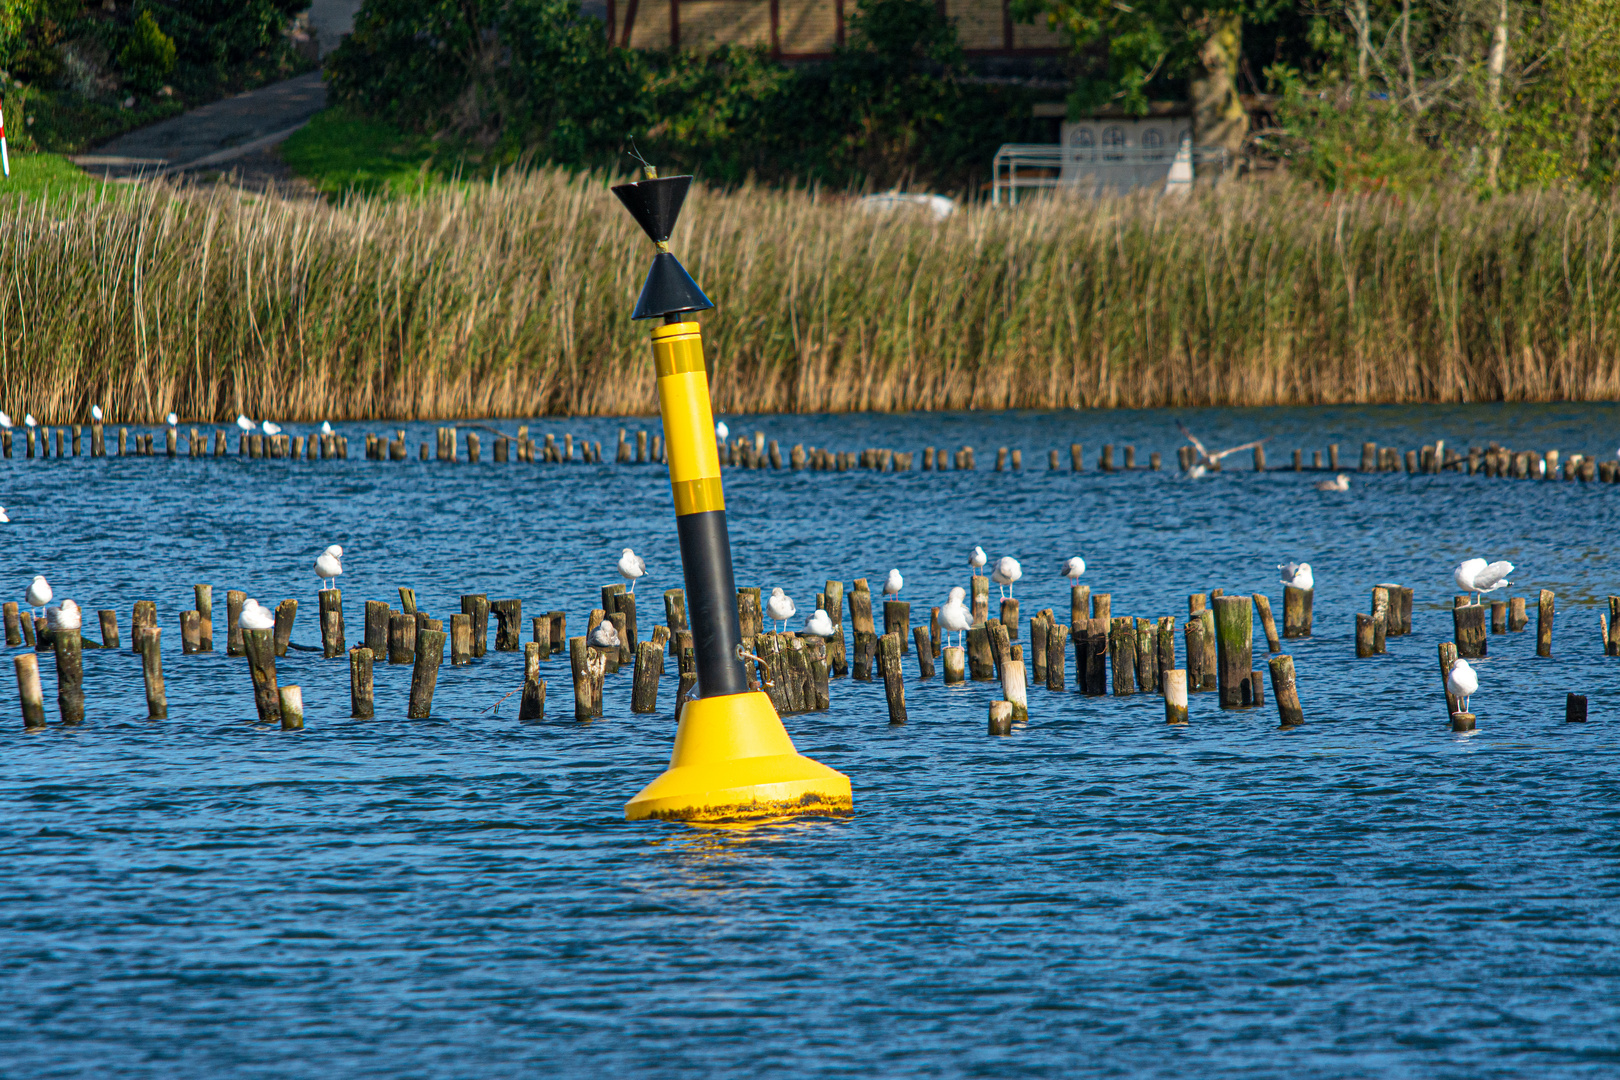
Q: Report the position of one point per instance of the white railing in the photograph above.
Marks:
(1090, 170)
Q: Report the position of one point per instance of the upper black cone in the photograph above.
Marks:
(668, 290)
(655, 204)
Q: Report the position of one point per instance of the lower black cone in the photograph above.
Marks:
(668, 290)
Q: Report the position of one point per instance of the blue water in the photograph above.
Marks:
(1096, 895)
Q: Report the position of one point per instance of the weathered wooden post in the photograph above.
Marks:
(147, 644)
(1469, 624)
(425, 674)
(1175, 696)
(69, 675)
(360, 682)
(331, 609)
(1262, 604)
(205, 617)
(894, 684)
(1289, 713)
(1544, 623)
(29, 692)
(1296, 612)
(1234, 637)
(261, 653)
(532, 705)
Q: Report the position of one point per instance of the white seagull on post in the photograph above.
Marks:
(1007, 571)
(1073, 569)
(892, 584)
(329, 566)
(955, 617)
(255, 617)
(820, 624)
(1476, 576)
(1297, 574)
(1461, 682)
(39, 593)
(977, 560)
(631, 567)
(780, 607)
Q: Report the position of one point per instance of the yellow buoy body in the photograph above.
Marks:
(734, 761)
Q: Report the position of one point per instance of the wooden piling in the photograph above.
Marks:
(981, 658)
(1517, 619)
(1365, 646)
(286, 614)
(539, 633)
(30, 693)
(1289, 712)
(894, 683)
(377, 627)
(260, 648)
(1038, 629)
(1094, 654)
(234, 599)
(1015, 684)
(1544, 623)
(1448, 656)
(1254, 690)
(1574, 708)
(1057, 657)
(360, 682)
(675, 610)
(13, 619)
(476, 607)
(205, 617)
(836, 656)
(1462, 721)
(897, 620)
(979, 591)
(1380, 618)
(190, 632)
(1147, 657)
(1175, 696)
(1009, 617)
(148, 643)
(461, 640)
(1102, 605)
(69, 675)
(291, 700)
(331, 614)
(1122, 653)
(649, 669)
(1234, 639)
(425, 675)
(1469, 623)
(1296, 612)
(144, 615)
(508, 625)
(925, 656)
(1262, 605)
(954, 660)
(1499, 617)
(1211, 650)
(1166, 647)
(401, 638)
(866, 644)
(1001, 718)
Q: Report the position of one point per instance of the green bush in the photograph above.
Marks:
(148, 58)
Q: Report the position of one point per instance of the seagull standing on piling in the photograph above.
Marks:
(95, 414)
(255, 617)
(172, 420)
(820, 624)
(28, 418)
(5, 421)
(1475, 576)
(39, 593)
(892, 584)
(1074, 569)
(329, 566)
(1461, 681)
(1298, 574)
(977, 560)
(244, 423)
(780, 607)
(955, 617)
(271, 429)
(721, 432)
(1006, 572)
(631, 567)
(326, 427)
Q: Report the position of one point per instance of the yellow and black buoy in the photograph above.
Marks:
(733, 759)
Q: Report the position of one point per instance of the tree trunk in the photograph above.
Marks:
(1495, 68)
(1219, 120)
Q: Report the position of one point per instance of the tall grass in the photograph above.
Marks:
(513, 298)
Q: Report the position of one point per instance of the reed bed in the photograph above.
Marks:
(512, 299)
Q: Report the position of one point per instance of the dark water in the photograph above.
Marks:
(1369, 895)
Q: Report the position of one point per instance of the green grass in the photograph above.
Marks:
(342, 155)
(44, 174)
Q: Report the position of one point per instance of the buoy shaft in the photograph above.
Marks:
(700, 508)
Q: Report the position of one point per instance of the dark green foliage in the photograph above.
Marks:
(148, 56)
(507, 80)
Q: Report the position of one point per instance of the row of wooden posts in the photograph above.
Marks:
(1492, 460)
(70, 442)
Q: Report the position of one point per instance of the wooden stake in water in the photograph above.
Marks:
(532, 706)
(1234, 638)
(286, 615)
(954, 660)
(69, 676)
(1262, 605)
(980, 586)
(1544, 623)
(1175, 696)
(476, 605)
(1517, 619)
(897, 620)
(1289, 713)
(144, 615)
(260, 647)
(1469, 624)
(1364, 636)
(894, 684)
(29, 692)
(1380, 617)
(425, 675)
(13, 624)
(644, 683)
(1122, 652)
(377, 616)
(1001, 718)
(579, 663)
(234, 599)
(461, 640)
(925, 657)
(331, 608)
(1057, 657)
(1448, 656)
(981, 658)
(205, 617)
(291, 701)
(401, 639)
(360, 684)
(508, 625)
(109, 628)
(190, 632)
(1296, 612)
(1575, 708)
(1014, 684)
(148, 644)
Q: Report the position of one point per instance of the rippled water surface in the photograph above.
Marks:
(1097, 894)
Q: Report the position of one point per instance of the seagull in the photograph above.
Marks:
(631, 567)
(1205, 459)
(1073, 569)
(955, 617)
(1298, 574)
(780, 607)
(326, 427)
(270, 428)
(891, 584)
(329, 566)
(95, 413)
(605, 636)
(65, 617)
(172, 420)
(255, 617)
(820, 624)
(39, 593)
(977, 560)
(244, 423)
(722, 432)
(28, 418)
(1461, 681)
(5, 421)
(1474, 576)
(1006, 572)
(3, 518)
(1338, 483)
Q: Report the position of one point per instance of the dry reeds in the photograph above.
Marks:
(512, 299)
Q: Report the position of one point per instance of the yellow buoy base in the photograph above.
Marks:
(734, 761)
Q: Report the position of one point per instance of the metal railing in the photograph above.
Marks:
(1090, 170)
